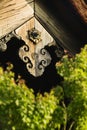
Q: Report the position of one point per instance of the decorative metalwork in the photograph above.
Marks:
(34, 35)
(35, 54)
(22, 53)
(35, 62)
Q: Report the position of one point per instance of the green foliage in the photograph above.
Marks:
(21, 110)
(74, 86)
(65, 107)
(16, 103)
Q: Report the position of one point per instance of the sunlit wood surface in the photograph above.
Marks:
(13, 13)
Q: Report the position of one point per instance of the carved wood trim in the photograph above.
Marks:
(81, 8)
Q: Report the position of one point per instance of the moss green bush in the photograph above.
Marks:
(74, 71)
(21, 110)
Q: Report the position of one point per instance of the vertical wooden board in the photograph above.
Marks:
(13, 13)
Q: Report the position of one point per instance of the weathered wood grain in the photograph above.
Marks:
(55, 27)
(13, 13)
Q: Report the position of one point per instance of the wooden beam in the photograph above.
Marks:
(13, 13)
(60, 20)
(55, 27)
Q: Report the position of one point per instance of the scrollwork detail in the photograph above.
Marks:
(26, 59)
(29, 65)
(41, 67)
(43, 51)
(35, 61)
(44, 62)
(26, 48)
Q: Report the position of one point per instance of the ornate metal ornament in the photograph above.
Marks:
(34, 35)
(33, 53)
(36, 61)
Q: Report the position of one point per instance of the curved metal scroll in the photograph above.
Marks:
(35, 62)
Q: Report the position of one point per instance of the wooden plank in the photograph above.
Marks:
(55, 28)
(13, 13)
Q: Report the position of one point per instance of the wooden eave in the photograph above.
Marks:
(63, 22)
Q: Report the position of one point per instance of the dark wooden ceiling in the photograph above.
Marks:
(63, 20)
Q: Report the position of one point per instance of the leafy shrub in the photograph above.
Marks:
(74, 71)
(21, 110)
(64, 108)
(15, 100)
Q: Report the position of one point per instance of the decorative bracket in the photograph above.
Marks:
(34, 35)
(35, 62)
(34, 53)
